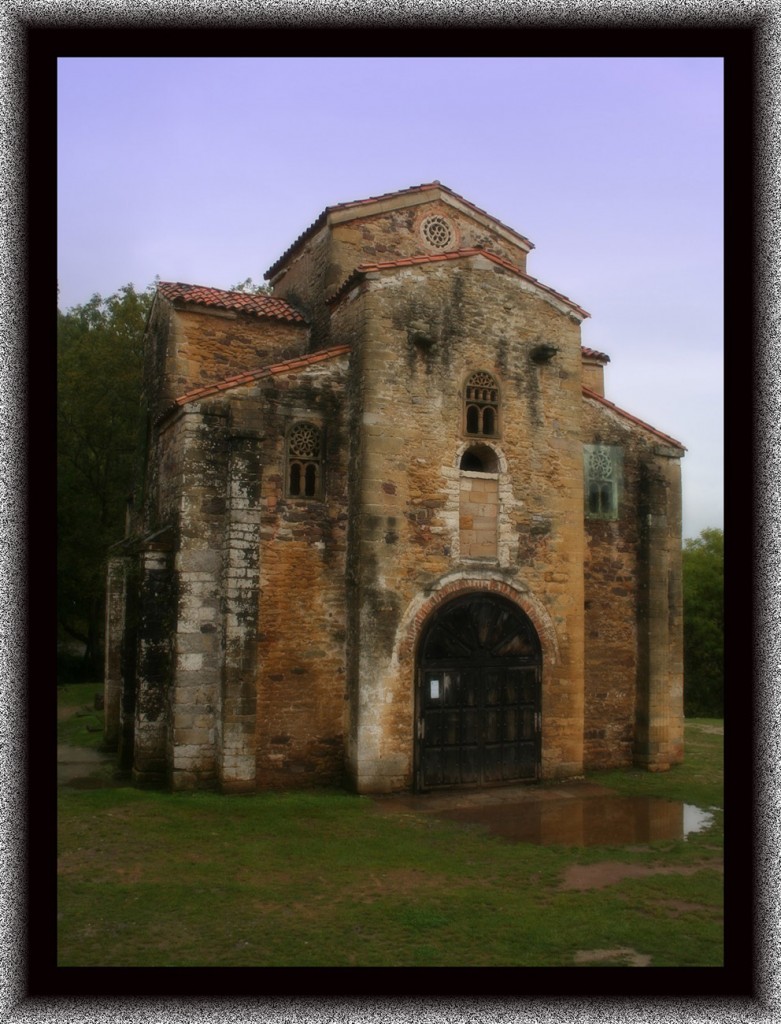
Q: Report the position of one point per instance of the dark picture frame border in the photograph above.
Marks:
(36, 986)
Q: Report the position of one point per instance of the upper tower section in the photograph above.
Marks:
(420, 221)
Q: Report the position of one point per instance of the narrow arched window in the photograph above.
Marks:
(603, 469)
(481, 405)
(479, 458)
(304, 461)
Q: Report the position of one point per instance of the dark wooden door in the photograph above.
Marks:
(478, 700)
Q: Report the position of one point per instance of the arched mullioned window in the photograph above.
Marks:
(603, 470)
(305, 461)
(481, 405)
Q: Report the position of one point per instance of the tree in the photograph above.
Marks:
(703, 624)
(99, 372)
(250, 288)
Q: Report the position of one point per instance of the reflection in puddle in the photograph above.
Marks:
(695, 819)
(586, 821)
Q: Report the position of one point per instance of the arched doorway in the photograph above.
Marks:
(478, 695)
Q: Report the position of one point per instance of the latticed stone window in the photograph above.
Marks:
(304, 461)
(481, 405)
(603, 469)
(437, 232)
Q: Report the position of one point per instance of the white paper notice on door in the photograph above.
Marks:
(435, 689)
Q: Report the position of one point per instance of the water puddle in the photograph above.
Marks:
(585, 821)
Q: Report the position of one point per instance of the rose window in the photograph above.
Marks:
(305, 441)
(437, 232)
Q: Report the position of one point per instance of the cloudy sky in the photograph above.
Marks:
(205, 170)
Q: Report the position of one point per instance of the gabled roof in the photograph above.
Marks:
(250, 376)
(402, 193)
(588, 393)
(260, 305)
(443, 257)
(591, 353)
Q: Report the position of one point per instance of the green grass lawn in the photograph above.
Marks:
(325, 878)
(79, 724)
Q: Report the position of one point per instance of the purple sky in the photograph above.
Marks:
(205, 170)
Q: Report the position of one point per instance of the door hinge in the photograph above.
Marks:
(421, 728)
(538, 721)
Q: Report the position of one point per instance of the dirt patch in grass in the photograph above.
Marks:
(621, 957)
(677, 907)
(399, 881)
(598, 876)
(713, 730)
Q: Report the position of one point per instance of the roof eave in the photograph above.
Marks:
(670, 441)
(366, 270)
(377, 204)
(251, 376)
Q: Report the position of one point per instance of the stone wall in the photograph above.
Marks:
(611, 568)
(119, 566)
(300, 638)
(308, 278)
(659, 741)
(479, 515)
(208, 345)
(594, 374)
(392, 231)
(633, 640)
(395, 233)
(264, 637)
(406, 435)
(190, 346)
(204, 450)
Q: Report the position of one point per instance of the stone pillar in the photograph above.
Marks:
(241, 565)
(194, 735)
(116, 601)
(156, 609)
(659, 734)
(376, 509)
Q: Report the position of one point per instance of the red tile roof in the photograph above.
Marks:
(259, 305)
(591, 353)
(321, 220)
(588, 393)
(441, 257)
(286, 366)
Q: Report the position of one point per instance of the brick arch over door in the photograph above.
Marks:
(422, 608)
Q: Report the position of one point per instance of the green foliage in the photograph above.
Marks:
(703, 624)
(251, 288)
(99, 372)
(79, 722)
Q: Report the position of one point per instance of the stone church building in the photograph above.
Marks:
(391, 533)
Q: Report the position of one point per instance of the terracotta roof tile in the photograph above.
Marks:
(457, 254)
(321, 220)
(259, 305)
(588, 393)
(591, 353)
(250, 376)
